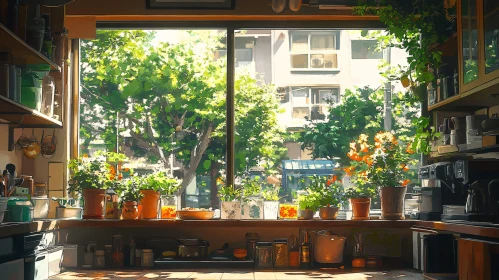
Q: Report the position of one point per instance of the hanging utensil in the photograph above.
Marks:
(295, 5)
(278, 5)
(33, 150)
(48, 145)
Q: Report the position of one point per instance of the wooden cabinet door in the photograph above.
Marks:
(474, 260)
(469, 44)
(490, 40)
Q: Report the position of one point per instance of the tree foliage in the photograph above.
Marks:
(171, 99)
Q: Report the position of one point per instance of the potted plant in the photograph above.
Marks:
(167, 187)
(113, 183)
(362, 191)
(330, 195)
(389, 171)
(252, 207)
(308, 205)
(152, 185)
(88, 178)
(270, 203)
(130, 196)
(231, 202)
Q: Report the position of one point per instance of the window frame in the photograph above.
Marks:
(311, 104)
(311, 52)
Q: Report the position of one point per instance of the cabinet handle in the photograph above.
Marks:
(40, 258)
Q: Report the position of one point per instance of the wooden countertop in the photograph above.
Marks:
(244, 274)
(10, 229)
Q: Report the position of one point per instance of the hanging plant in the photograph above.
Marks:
(416, 26)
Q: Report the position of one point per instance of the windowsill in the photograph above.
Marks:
(315, 70)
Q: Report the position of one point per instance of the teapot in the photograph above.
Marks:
(476, 201)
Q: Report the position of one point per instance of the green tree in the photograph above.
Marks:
(171, 99)
(360, 112)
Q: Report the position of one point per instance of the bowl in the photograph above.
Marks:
(195, 214)
(240, 253)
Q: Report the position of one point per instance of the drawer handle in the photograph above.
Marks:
(40, 258)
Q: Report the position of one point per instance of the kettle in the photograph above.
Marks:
(476, 201)
(328, 247)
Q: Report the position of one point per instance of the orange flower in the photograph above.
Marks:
(353, 155)
(126, 169)
(353, 146)
(332, 180)
(120, 176)
(363, 138)
(111, 177)
(364, 148)
(377, 145)
(409, 149)
(349, 170)
(404, 167)
(112, 170)
(368, 160)
(406, 182)
(85, 155)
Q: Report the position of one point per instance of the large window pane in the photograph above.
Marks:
(322, 42)
(160, 98)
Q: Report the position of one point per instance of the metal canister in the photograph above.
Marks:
(263, 255)
(281, 253)
(251, 240)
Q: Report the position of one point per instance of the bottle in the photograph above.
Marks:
(132, 252)
(126, 255)
(47, 38)
(305, 251)
(35, 28)
(294, 252)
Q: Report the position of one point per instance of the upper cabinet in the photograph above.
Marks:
(490, 39)
(478, 60)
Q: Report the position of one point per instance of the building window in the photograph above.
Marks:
(365, 49)
(312, 102)
(314, 51)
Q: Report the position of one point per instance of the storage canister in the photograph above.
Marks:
(147, 258)
(100, 259)
(263, 255)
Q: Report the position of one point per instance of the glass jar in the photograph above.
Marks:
(118, 256)
(147, 258)
(100, 259)
(288, 211)
(168, 207)
(281, 253)
(263, 255)
(48, 92)
(251, 240)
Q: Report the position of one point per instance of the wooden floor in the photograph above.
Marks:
(250, 275)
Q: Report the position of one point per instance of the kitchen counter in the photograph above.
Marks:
(11, 229)
(231, 275)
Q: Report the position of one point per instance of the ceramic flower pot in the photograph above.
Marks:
(305, 214)
(392, 203)
(93, 200)
(288, 211)
(130, 211)
(168, 207)
(231, 210)
(252, 209)
(360, 208)
(328, 213)
(270, 210)
(150, 203)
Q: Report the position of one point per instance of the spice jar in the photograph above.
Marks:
(281, 255)
(147, 258)
(263, 255)
(100, 259)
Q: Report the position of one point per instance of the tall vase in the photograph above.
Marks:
(392, 203)
(150, 203)
(93, 200)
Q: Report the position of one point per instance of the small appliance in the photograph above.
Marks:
(193, 248)
(439, 187)
(328, 247)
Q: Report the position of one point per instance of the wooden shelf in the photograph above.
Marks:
(461, 228)
(19, 115)
(465, 153)
(236, 223)
(22, 53)
(482, 96)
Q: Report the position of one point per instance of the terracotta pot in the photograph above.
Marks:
(130, 210)
(305, 214)
(93, 200)
(360, 208)
(149, 202)
(392, 203)
(328, 213)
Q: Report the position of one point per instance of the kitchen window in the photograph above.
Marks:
(312, 102)
(365, 49)
(314, 51)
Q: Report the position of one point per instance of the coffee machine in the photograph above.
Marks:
(439, 188)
